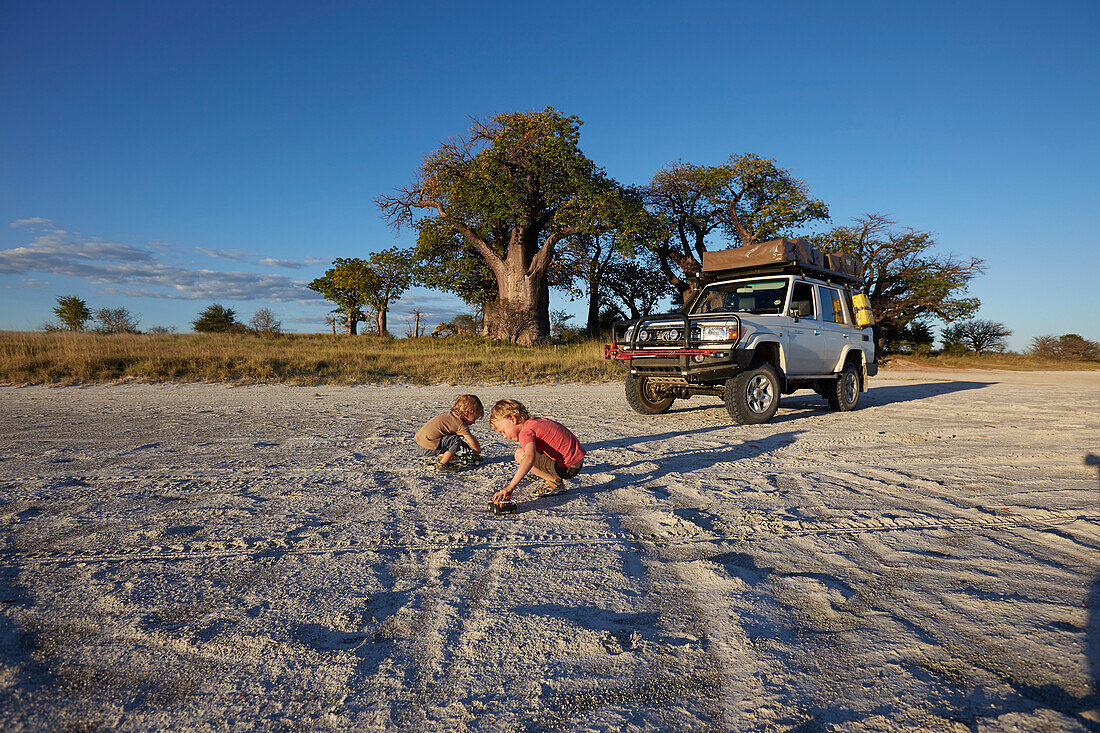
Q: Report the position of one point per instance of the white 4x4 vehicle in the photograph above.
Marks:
(776, 317)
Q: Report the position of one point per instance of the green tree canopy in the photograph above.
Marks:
(217, 318)
(352, 283)
(72, 312)
(446, 262)
(907, 281)
(346, 284)
(764, 201)
(748, 198)
(511, 189)
(633, 290)
(392, 269)
(583, 260)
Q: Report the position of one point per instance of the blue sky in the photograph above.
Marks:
(164, 156)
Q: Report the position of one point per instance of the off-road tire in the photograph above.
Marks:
(843, 393)
(752, 397)
(642, 396)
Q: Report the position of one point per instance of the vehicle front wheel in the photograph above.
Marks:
(844, 392)
(646, 397)
(752, 397)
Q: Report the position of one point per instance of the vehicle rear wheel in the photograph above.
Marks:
(844, 392)
(752, 397)
(646, 397)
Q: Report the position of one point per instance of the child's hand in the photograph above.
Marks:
(504, 496)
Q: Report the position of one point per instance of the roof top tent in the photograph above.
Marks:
(782, 256)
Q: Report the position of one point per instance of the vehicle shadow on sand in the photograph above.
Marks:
(661, 464)
(910, 392)
(805, 403)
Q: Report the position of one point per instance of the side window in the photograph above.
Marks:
(846, 296)
(832, 308)
(802, 300)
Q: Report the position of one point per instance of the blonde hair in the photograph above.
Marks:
(504, 409)
(468, 405)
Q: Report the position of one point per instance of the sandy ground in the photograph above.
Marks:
(202, 557)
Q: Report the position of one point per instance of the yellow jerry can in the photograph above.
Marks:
(864, 316)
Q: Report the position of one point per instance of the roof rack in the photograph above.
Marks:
(781, 256)
(784, 268)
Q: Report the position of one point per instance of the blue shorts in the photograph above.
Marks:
(448, 444)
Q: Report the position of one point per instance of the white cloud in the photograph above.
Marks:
(233, 255)
(30, 283)
(288, 264)
(140, 272)
(240, 255)
(33, 220)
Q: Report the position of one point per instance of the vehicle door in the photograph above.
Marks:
(836, 324)
(806, 349)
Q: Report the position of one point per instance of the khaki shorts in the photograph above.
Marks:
(546, 464)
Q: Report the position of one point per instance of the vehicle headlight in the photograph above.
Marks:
(719, 333)
(643, 335)
(670, 335)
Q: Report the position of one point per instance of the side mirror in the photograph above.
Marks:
(793, 313)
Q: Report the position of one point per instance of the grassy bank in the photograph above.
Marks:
(73, 358)
(1014, 362)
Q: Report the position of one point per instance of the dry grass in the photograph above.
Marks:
(307, 359)
(1013, 362)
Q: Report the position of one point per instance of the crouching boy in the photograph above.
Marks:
(448, 434)
(546, 448)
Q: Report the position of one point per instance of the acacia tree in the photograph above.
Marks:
(748, 198)
(512, 189)
(72, 312)
(579, 268)
(984, 335)
(331, 320)
(907, 282)
(582, 261)
(633, 286)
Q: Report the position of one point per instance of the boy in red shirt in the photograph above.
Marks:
(546, 448)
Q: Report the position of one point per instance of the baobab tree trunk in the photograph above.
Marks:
(521, 312)
(514, 315)
(380, 321)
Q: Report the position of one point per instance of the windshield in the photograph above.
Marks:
(750, 296)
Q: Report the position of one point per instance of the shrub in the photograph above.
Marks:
(1071, 347)
(265, 323)
(217, 319)
(115, 320)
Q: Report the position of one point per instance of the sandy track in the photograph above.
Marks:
(216, 558)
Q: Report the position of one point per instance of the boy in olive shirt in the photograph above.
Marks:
(449, 434)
